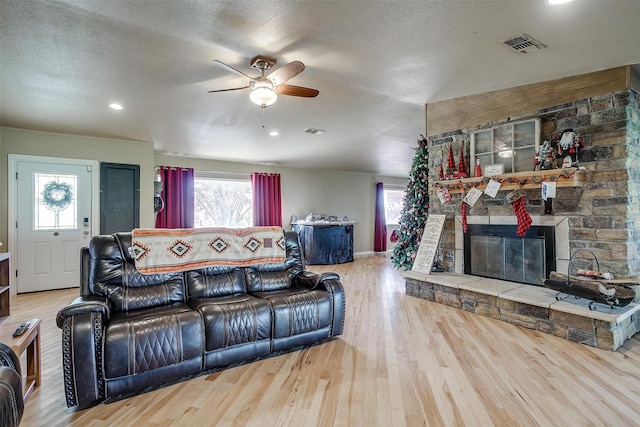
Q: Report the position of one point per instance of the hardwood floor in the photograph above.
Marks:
(401, 361)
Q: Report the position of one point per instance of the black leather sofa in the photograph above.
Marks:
(11, 403)
(129, 331)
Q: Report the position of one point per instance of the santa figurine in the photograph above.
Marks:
(570, 144)
(575, 148)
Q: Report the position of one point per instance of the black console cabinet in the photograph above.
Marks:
(325, 243)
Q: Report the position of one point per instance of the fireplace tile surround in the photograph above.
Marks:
(559, 222)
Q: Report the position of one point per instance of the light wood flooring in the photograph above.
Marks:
(401, 361)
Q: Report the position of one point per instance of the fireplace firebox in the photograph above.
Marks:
(496, 251)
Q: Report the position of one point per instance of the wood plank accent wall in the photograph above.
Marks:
(635, 78)
(472, 110)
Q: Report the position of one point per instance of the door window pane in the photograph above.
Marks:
(55, 201)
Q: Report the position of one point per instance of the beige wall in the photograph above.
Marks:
(309, 191)
(303, 191)
(17, 141)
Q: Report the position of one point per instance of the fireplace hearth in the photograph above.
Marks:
(495, 251)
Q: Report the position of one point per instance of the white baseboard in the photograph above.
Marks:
(389, 251)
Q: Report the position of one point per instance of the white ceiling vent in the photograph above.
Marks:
(313, 131)
(523, 44)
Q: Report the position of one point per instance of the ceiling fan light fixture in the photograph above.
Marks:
(263, 96)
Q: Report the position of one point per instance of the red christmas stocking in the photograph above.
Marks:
(463, 211)
(523, 217)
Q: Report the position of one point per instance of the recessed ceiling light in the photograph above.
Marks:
(556, 2)
(115, 106)
(274, 133)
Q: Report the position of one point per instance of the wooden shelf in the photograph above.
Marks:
(567, 177)
(5, 290)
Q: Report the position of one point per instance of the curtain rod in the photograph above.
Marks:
(221, 172)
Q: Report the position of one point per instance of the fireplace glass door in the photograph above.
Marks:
(496, 252)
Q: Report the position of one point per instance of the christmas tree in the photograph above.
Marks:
(415, 209)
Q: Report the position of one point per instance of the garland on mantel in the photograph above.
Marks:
(565, 174)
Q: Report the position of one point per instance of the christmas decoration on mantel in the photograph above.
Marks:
(516, 198)
(415, 209)
(452, 171)
(520, 179)
(563, 151)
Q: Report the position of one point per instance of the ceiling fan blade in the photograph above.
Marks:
(231, 69)
(227, 90)
(286, 72)
(296, 91)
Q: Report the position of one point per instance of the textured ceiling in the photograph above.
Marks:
(375, 64)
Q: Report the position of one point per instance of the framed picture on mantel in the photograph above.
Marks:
(493, 170)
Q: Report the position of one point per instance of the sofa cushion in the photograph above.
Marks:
(298, 310)
(234, 320)
(214, 282)
(266, 281)
(113, 275)
(146, 340)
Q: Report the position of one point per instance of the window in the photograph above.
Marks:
(512, 145)
(222, 202)
(55, 202)
(393, 202)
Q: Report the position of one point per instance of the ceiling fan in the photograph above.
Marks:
(265, 89)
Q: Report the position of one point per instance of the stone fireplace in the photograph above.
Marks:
(600, 211)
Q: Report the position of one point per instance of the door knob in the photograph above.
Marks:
(55, 233)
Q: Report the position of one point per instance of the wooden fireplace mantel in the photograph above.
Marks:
(567, 177)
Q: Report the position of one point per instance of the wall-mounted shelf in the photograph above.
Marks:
(567, 177)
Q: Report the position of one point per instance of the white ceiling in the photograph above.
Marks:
(375, 63)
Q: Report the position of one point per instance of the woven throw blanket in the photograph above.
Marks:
(160, 250)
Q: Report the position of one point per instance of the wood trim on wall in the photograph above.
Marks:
(467, 111)
(634, 78)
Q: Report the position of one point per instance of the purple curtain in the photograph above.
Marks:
(178, 197)
(267, 199)
(380, 222)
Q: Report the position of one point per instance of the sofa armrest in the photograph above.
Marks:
(331, 283)
(311, 280)
(11, 403)
(84, 305)
(82, 323)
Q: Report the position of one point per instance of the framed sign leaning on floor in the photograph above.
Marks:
(429, 244)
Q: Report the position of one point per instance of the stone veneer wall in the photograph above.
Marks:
(604, 214)
(599, 328)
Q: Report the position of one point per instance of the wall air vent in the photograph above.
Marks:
(313, 131)
(523, 44)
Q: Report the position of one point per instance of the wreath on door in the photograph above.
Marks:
(57, 195)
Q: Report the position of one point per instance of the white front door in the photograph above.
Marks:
(53, 221)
